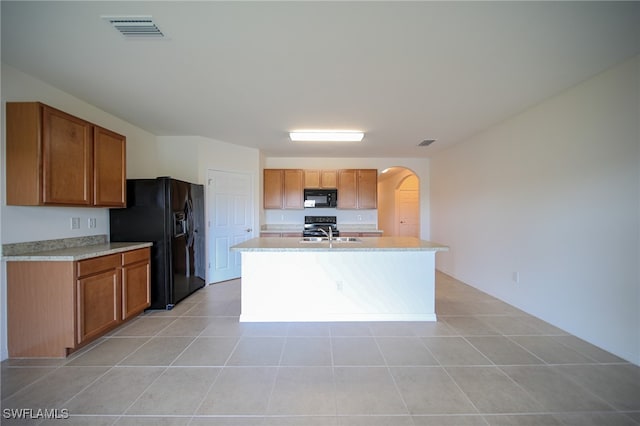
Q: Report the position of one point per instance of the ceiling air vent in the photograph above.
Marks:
(426, 142)
(135, 26)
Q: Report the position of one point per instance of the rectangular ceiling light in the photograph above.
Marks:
(326, 136)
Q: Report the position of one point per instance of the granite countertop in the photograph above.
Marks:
(76, 253)
(363, 244)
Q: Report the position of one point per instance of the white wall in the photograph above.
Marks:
(554, 195)
(418, 165)
(21, 224)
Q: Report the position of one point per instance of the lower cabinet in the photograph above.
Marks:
(281, 234)
(98, 304)
(135, 283)
(59, 306)
(360, 234)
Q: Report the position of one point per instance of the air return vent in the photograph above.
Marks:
(426, 142)
(135, 26)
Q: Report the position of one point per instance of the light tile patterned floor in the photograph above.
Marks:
(483, 363)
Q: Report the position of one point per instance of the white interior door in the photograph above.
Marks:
(230, 221)
(408, 208)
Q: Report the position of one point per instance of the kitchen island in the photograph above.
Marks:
(369, 279)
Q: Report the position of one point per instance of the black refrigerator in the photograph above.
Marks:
(169, 213)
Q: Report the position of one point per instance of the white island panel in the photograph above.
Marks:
(338, 286)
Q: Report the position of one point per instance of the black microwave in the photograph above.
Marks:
(320, 198)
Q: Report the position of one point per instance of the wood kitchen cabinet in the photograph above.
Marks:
(358, 189)
(273, 181)
(54, 158)
(109, 168)
(59, 306)
(136, 295)
(283, 189)
(99, 296)
(360, 234)
(320, 179)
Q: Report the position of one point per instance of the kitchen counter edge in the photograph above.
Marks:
(364, 244)
(77, 253)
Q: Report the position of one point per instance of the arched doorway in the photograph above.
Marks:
(399, 202)
(407, 197)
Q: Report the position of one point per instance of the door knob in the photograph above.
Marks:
(249, 229)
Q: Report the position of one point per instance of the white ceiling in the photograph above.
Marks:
(248, 72)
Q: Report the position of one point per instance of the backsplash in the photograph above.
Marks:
(296, 217)
(62, 243)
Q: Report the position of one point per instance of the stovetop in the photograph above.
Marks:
(320, 220)
(314, 224)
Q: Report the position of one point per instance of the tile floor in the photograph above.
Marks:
(483, 363)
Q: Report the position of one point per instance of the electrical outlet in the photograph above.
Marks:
(92, 222)
(75, 223)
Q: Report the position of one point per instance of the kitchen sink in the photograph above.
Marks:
(346, 240)
(313, 239)
(333, 240)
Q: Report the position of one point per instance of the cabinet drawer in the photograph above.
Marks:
(135, 256)
(98, 264)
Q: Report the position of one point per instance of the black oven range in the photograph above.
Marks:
(316, 226)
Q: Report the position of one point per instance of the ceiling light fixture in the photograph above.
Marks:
(326, 136)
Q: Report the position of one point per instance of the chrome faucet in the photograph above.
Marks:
(328, 234)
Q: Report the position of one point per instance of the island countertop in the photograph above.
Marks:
(362, 244)
(76, 253)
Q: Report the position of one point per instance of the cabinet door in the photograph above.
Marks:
(291, 234)
(347, 189)
(109, 168)
(329, 179)
(320, 178)
(23, 154)
(98, 304)
(135, 289)
(367, 189)
(67, 149)
(293, 189)
(273, 187)
(312, 178)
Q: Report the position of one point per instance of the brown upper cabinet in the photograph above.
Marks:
(283, 189)
(358, 189)
(320, 178)
(54, 158)
(109, 168)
